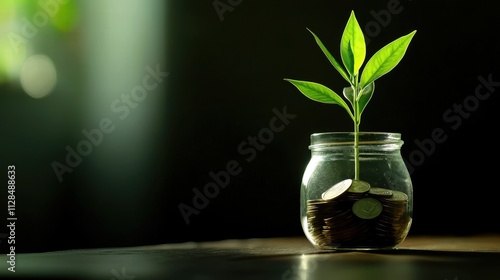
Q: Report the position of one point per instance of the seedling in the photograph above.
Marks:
(362, 83)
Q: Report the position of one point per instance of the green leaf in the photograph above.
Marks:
(359, 101)
(320, 93)
(385, 59)
(330, 57)
(364, 98)
(349, 94)
(352, 46)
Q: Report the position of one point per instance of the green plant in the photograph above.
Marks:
(362, 84)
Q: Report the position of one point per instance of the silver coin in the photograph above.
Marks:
(337, 189)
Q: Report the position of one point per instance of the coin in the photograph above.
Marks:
(359, 186)
(399, 196)
(380, 192)
(348, 215)
(337, 189)
(367, 208)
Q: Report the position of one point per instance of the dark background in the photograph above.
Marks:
(225, 78)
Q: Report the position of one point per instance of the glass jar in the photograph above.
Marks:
(340, 211)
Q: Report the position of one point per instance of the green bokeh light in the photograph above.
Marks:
(62, 18)
(7, 12)
(67, 17)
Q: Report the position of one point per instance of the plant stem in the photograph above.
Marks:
(356, 131)
(356, 151)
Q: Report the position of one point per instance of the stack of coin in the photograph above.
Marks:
(393, 223)
(354, 214)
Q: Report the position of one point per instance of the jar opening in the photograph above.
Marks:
(336, 139)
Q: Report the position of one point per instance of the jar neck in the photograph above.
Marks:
(372, 140)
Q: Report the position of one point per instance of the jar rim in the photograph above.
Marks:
(325, 139)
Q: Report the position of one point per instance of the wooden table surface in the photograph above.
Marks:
(291, 258)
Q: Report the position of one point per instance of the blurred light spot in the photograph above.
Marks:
(66, 17)
(38, 76)
(7, 12)
(10, 61)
